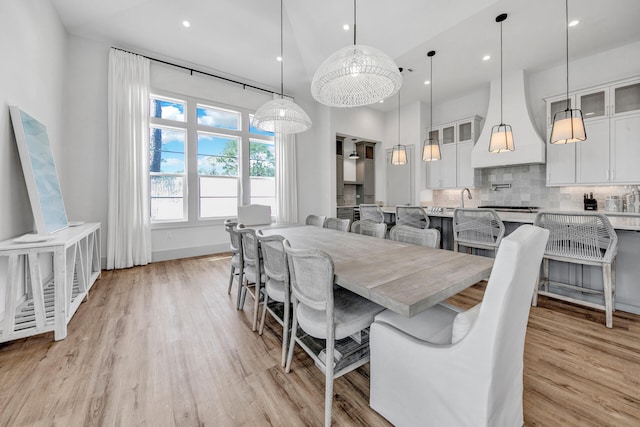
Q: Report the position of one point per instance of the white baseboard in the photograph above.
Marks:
(170, 254)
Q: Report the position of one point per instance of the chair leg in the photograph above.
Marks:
(256, 306)
(294, 330)
(264, 314)
(328, 392)
(608, 294)
(241, 279)
(285, 332)
(233, 269)
(455, 246)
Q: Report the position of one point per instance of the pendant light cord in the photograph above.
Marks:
(501, 122)
(281, 55)
(430, 100)
(354, 22)
(566, 9)
(398, 118)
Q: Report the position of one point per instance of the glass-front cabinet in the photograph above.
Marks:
(611, 151)
(454, 169)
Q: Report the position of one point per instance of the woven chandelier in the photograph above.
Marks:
(355, 76)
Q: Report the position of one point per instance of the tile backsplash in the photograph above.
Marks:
(528, 188)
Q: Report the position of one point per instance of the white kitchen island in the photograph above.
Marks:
(627, 226)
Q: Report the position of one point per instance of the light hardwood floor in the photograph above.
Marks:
(163, 345)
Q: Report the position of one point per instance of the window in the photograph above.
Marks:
(199, 154)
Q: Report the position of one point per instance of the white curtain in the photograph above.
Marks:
(129, 223)
(286, 185)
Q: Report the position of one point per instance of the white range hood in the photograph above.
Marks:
(529, 146)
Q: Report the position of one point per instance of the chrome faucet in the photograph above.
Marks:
(462, 196)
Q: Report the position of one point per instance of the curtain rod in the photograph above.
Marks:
(192, 70)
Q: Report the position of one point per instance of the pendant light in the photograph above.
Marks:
(281, 115)
(568, 125)
(431, 146)
(355, 76)
(399, 153)
(501, 135)
(354, 154)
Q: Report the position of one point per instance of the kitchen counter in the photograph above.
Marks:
(619, 221)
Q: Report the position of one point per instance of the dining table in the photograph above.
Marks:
(402, 277)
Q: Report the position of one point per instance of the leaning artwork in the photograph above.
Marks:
(40, 172)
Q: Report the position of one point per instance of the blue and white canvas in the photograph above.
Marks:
(40, 172)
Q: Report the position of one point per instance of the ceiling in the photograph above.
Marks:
(242, 38)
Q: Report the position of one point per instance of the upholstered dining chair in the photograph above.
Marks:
(477, 228)
(447, 367)
(254, 277)
(324, 313)
(368, 228)
(584, 238)
(428, 237)
(277, 288)
(254, 214)
(370, 212)
(236, 252)
(340, 224)
(413, 216)
(316, 220)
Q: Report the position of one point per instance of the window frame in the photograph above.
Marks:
(192, 185)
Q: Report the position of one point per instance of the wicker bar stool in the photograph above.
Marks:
(413, 216)
(580, 238)
(370, 212)
(477, 228)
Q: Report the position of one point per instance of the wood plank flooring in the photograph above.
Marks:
(163, 345)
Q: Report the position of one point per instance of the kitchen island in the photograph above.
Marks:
(627, 226)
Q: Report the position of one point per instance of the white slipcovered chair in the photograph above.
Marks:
(339, 224)
(325, 313)
(428, 237)
(477, 228)
(254, 214)
(443, 367)
(276, 268)
(580, 238)
(413, 216)
(316, 220)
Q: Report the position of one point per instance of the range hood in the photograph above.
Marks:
(529, 146)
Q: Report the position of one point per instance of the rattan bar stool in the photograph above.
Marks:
(580, 238)
(477, 228)
(413, 216)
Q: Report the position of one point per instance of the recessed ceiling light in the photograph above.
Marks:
(427, 82)
(186, 24)
(346, 27)
(382, 101)
(279, 58)
(574, 23)
(486, 58)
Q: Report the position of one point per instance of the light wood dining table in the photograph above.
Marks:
(402, 277)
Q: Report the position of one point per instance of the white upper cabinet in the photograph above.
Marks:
(454, 169)
(612, 122)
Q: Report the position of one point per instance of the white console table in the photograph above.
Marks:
(37, 303)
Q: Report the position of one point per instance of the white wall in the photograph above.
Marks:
(32, 42)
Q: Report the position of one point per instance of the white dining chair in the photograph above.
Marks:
(428, 237)
(315, 220)
(368, 228)
(236, 252)
(371, 212)
(477, 228)
(253, 272)
(340, 224)
(325, 313)
(583, 238)
(448, 367)
(254, 214)
(277, 288)
(413, 216)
